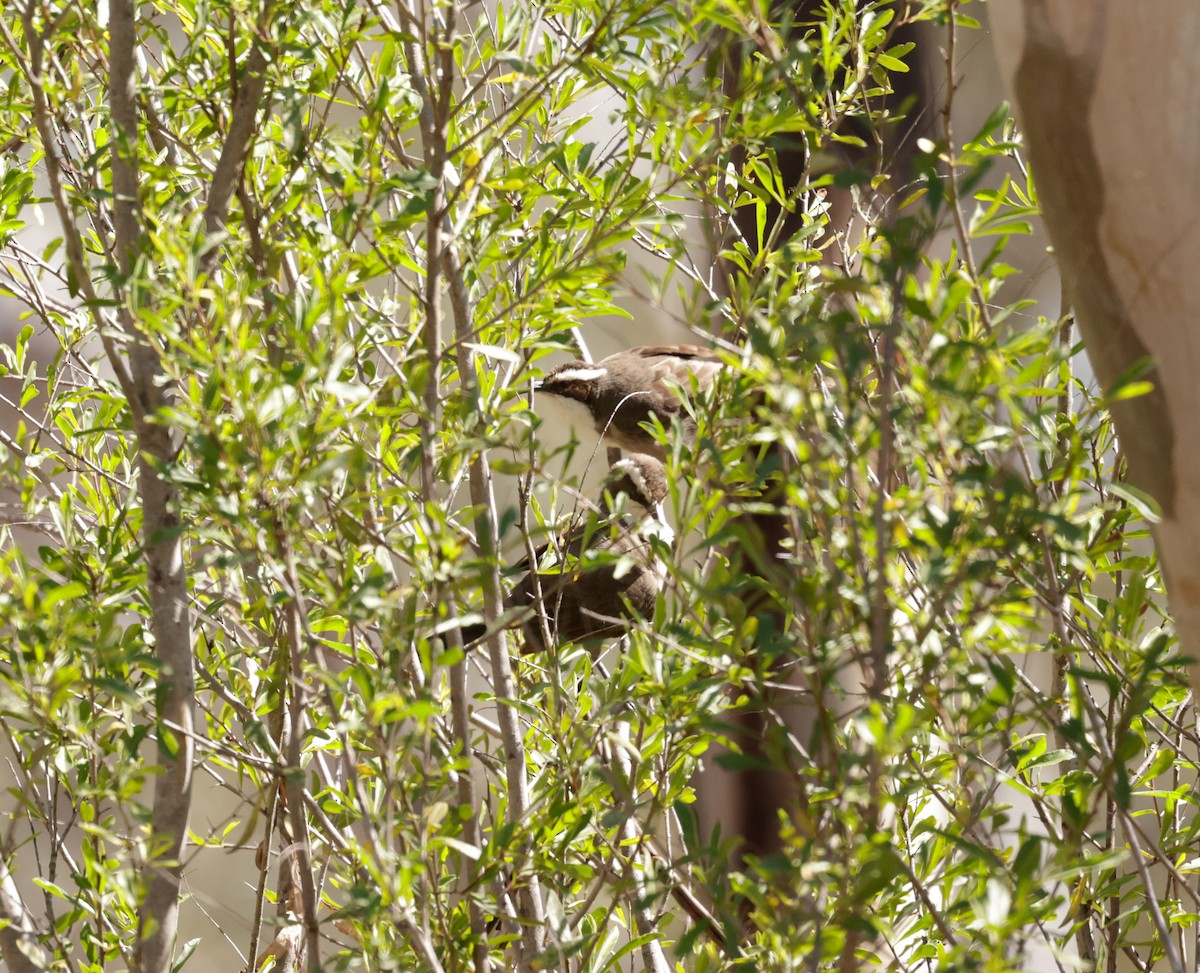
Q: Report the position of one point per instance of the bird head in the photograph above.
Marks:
(575, 380)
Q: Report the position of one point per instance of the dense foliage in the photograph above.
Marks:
(354, 234)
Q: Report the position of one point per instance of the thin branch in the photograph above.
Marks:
(880, 608)
(242, 125)
(953, 197)
(632, 839)
(54, 173)
(170, 618)
(297, 697)
(122, 94)
(18, 937)
(487, 532)
(444, 263)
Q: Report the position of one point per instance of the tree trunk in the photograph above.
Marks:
(1106, 95)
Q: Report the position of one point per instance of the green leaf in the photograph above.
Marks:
(891, 63)
(1142, 502)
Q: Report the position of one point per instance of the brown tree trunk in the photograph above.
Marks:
(1106, 94)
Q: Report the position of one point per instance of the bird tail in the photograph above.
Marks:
(472, 633)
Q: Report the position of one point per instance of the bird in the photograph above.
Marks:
(621, 393)
(604, 573)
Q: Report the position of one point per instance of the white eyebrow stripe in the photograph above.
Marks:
(579, 374)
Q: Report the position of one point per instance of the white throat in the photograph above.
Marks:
(569, 413)
(656, 525)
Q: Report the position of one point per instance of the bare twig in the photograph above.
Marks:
(297, 701)
(487, 533)
(444, 267)
(953, 196)
(170, 618)
(433, 130)
(34, 67)
(18, 938)
(880, 608)
(242, 125)
(632, 840)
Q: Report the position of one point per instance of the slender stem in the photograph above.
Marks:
(953, 198)
(297, 703)
(18, 938)
(242, 126)
(73, 243)
(442, 267)
(880, 610)
(170, 616)
(260, 891)
(632, 840)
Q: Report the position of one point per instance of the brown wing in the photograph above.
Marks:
(658, 376)
(691, 353)
(585, 601)
(680, 369)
